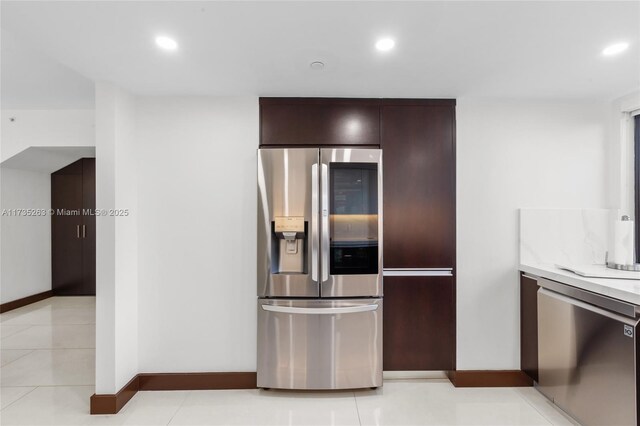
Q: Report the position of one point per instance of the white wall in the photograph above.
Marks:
(197, 233)
(126, 242)
(45, 128)
(511, 155)
(116, 240)
(25, 264)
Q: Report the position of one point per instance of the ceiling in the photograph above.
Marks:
(30, 79)
(537, 49)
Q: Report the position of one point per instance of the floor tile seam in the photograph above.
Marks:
(186, 395)
(532, 406)
(51, 324)
(20, 357)
(50, 349)
(51, 386)
(355, 399)
(17, 332)
(47, 349)
(34, 388)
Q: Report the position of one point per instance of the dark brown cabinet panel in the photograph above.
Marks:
(419, 323)
(419, 185)
(317, 122)
(529, 326)
(73, 234)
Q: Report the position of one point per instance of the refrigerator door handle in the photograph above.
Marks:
(324, 211)
(320, 311)
(314, 222)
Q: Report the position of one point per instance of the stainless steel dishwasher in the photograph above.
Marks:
(587, 354)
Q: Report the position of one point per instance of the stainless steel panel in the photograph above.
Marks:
(348, 285)
(285, 188)
(608, 303)
(319, 344)
(587, 360)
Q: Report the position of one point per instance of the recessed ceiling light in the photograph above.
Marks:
(316, 65)
(614, 49)
(166, 43)
(385, 44)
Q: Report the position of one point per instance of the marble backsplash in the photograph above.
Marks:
(565, 236)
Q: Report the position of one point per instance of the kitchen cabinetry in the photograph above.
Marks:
(319, 122)
(529, 326)
(73, 233)
(418, 141)
(419, 323)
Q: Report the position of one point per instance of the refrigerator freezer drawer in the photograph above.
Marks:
(319, 344)
(586, 357)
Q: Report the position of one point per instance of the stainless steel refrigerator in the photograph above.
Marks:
(319, 268)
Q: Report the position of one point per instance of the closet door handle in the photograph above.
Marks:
(77, 231)
(84, 231)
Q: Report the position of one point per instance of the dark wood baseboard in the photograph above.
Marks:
(111, 404)
(197, 381)
(489, 378)
(19, 303)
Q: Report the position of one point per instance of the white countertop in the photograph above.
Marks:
(622, 289)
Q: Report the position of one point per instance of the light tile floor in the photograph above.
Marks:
(47, 375)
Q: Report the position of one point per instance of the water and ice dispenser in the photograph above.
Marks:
(289, 248)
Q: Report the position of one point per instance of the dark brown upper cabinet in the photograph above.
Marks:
(319, 121)
(418, 141)
(73, 233)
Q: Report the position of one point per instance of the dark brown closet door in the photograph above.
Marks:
(73, 233)
(66, 231)
(89, 223)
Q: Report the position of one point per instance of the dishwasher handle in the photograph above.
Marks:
(320, 311)
(588, 307)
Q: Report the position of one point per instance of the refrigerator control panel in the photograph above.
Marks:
(289, 224)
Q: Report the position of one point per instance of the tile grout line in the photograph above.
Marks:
(50, 386)
(20, 357)
(46, 325)
(48, 349)
(34, 388)
(186, 395)
(355, 399)
(17, 332)
(533, 406)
